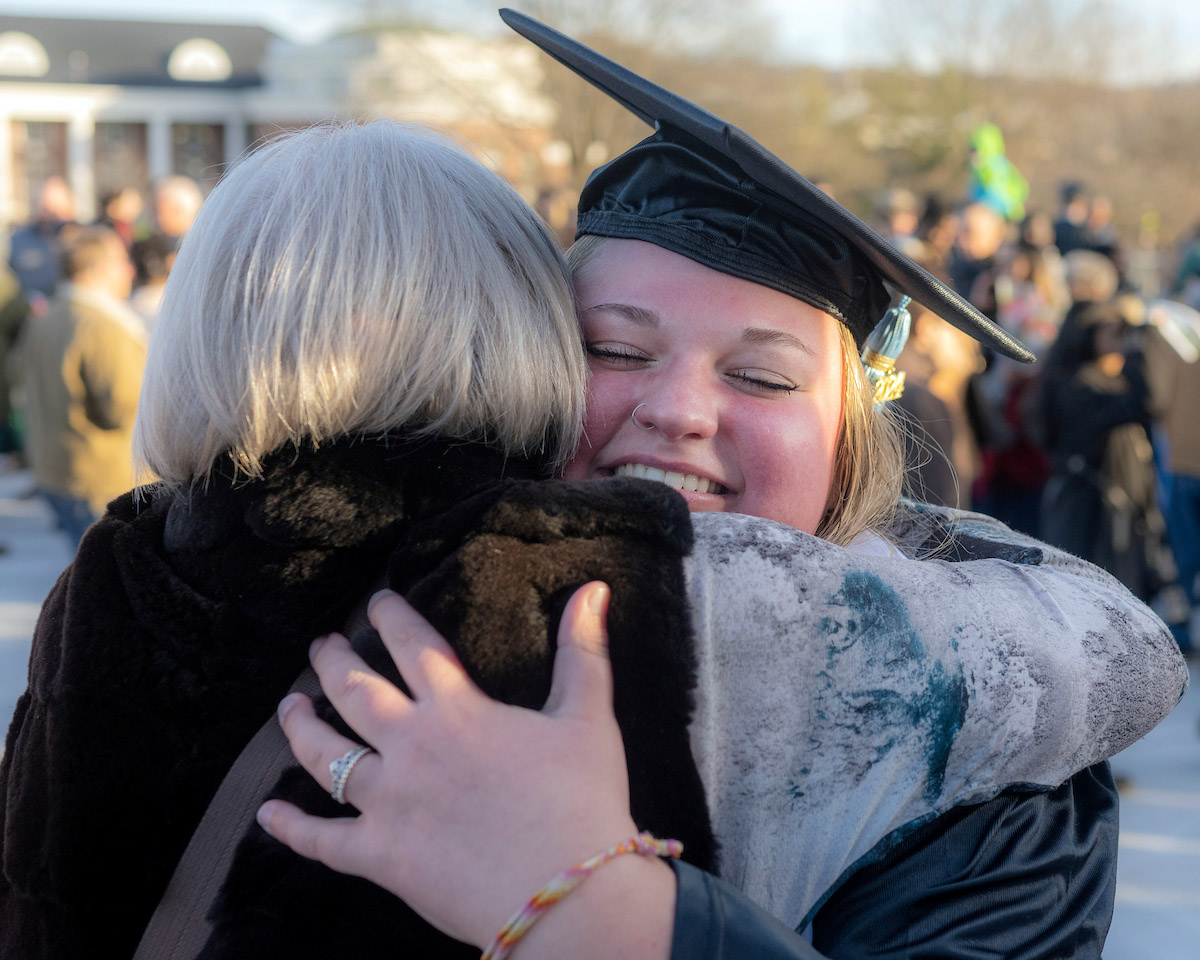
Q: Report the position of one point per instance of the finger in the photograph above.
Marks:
(369, 703)
(582, 682)
(333, 842)
(317, 745)
(421, 654)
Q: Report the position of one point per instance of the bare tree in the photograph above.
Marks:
(662, 39)
(1095, 41)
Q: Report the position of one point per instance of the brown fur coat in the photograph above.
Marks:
(183, 621)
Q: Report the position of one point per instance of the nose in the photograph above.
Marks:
(680, 404)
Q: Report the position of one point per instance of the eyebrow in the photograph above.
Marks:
(763, 335)
(636, 315)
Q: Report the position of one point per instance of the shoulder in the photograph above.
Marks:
(929, 531)
(591, 509)
(25, 236)
(94, 587)
(106, 319)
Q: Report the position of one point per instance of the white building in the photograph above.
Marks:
(108, 104)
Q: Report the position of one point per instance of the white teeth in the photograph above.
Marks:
(680, 481)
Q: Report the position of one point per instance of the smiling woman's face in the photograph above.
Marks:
(742, 385)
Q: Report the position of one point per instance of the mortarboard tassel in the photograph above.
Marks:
(882, 348)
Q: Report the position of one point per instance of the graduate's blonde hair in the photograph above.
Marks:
(355, 279)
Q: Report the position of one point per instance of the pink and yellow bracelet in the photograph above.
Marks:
(511, 933)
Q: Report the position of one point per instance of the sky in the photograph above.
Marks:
(821, 31)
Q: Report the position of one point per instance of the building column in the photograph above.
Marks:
(81, 154)
(158, 147)
(7, 187)
(235, 137)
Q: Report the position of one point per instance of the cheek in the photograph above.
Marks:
(607, 408)
(795, 484)
(790, 466)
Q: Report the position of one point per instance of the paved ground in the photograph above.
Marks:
(1158, 885)
(1158, 868)
(35, 555)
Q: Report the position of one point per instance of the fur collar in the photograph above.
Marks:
(289, 548)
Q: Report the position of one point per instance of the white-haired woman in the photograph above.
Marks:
(367, 360)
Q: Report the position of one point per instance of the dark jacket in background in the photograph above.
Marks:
(1100, 503)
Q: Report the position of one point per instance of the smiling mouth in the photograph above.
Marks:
(679, 481)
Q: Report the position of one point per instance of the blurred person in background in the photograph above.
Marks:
(157, 258)
(899, 217)
(1101, 232)
(992, 178)
(929, 440)
(13, 310)
(1012, 468)
(938, 232)
(35, 251)
(1024, 297)
(1186, 285)
(177, 200)
(1175, 403)
(1091, 279)
(1100, 503)
(80, 368)
(1070, 229)
(1049, 271)
(938, 361)
(1013, 465)
(982, 232)
(121, 211)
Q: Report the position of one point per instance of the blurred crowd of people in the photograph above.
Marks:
(1096, 447)
(77, 304)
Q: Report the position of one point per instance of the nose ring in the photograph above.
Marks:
(636, 422)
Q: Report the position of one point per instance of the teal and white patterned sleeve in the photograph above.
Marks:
(842, 698)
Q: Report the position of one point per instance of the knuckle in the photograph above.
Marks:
(294, 722)
(287, 831)
(308, 753)
(593, 646)
(323, 846)
(354, 686)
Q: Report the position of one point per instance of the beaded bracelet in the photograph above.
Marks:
(565, 882)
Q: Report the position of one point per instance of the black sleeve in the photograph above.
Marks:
(715, 922)
(1024, 876)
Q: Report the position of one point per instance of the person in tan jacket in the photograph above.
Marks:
(81, 366)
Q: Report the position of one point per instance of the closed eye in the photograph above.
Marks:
(762, 383)
(616, 354)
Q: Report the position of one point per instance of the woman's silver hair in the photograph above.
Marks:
(356, 279)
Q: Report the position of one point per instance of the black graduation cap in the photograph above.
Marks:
(703, 188)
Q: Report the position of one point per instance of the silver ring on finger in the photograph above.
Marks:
(340, 769)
